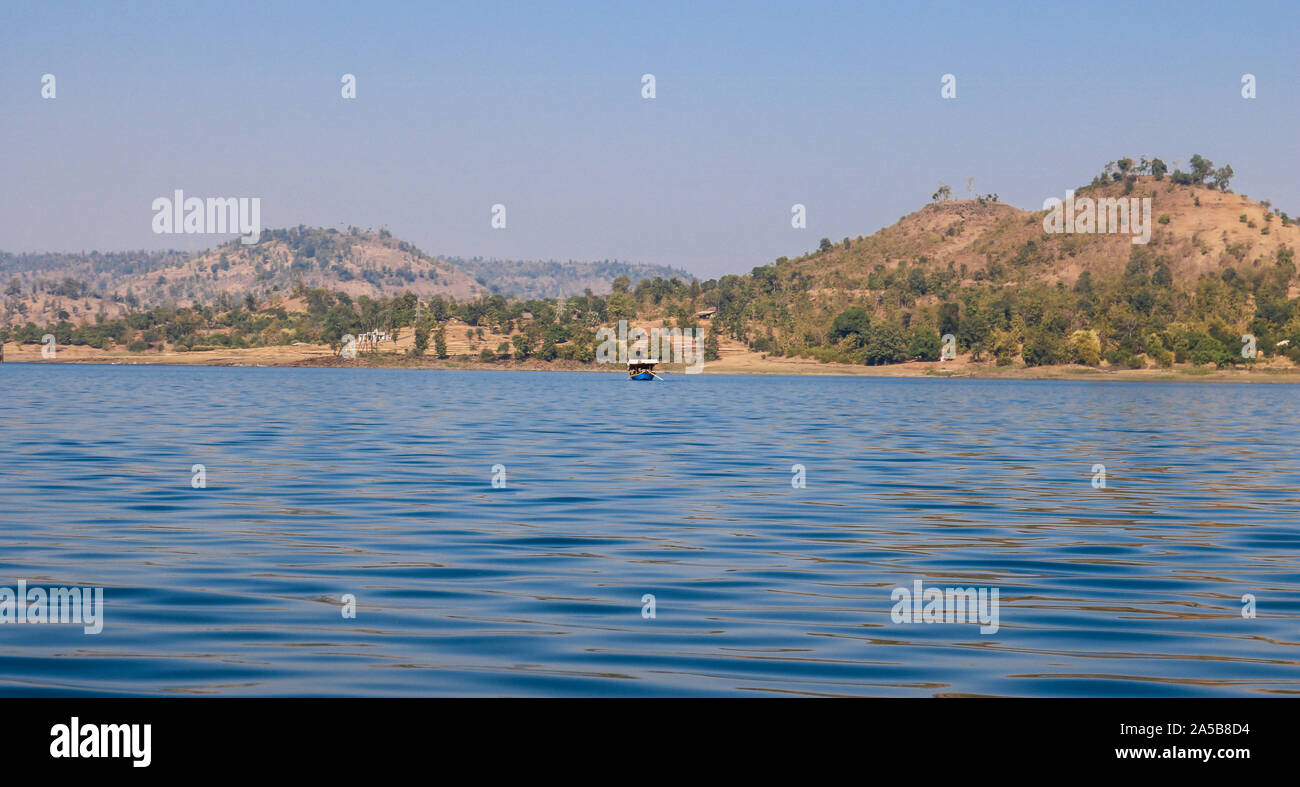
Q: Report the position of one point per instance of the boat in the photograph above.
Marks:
(642, 369)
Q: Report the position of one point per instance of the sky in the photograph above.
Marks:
(539, 107)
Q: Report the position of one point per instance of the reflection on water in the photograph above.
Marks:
(378, 483)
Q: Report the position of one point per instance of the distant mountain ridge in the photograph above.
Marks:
(528, 279)
(48, 287)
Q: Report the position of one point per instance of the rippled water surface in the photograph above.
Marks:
(378, 483)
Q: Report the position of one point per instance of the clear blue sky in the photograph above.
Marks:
(759, 106)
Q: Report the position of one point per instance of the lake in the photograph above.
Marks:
(428, 532)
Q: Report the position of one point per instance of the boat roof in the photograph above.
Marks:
(644, 362)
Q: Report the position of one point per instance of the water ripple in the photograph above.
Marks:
(323, 485)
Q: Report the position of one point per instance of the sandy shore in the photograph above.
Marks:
(734, 362)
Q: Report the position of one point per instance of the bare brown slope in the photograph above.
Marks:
(1203, 232)
(359, 263)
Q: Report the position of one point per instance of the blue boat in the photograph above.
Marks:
(642, 370)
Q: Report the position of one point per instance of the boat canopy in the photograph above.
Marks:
(644, 362)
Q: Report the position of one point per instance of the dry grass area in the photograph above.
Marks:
(254, 356)
(1280, 370)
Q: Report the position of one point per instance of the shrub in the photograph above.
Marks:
(1042, 348)
(1121, 358)
(925, 345)
(1203, 349)
(711, 349)
(884, 344)
(1085, 348)
(853, 321)
(523, 345)
(1005, 348)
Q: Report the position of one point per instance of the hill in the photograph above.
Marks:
(1216, 265)
(36, 287)
(1196, 230)
(44, 288)
(356, 262)
(1011, 289)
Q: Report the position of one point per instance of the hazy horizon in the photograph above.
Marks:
(758, 107)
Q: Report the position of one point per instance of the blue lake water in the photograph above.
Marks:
(379, 484)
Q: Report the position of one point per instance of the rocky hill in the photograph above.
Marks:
(48, 288)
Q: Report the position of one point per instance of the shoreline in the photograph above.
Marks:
(733, 363)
